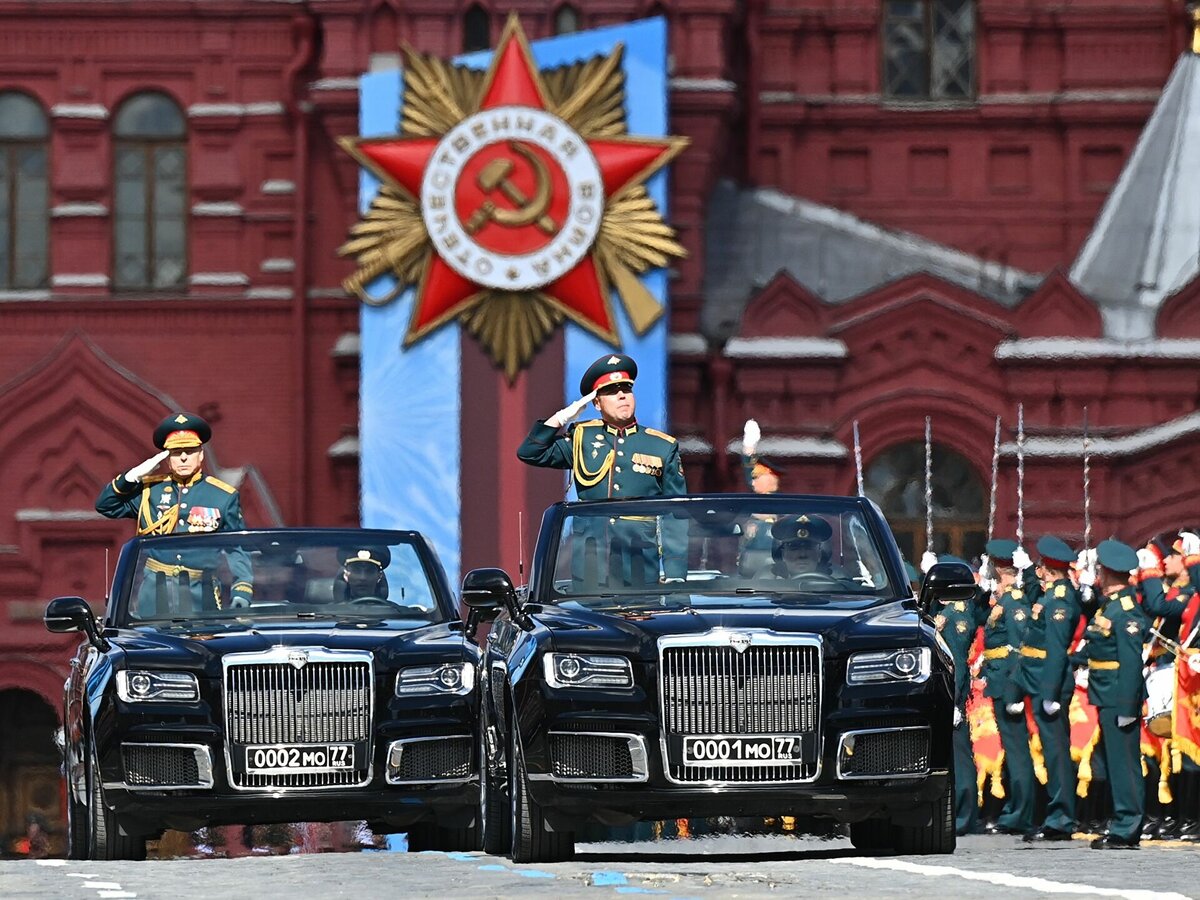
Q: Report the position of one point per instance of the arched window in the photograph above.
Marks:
(477, 29)
(567, 20)
(24, 195)
(896, 481)
(150, 194)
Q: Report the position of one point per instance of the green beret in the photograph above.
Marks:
(182, 430)
(1116, 556)
(615, 368)
(801, 528)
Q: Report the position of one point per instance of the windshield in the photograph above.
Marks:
(249, 577)
(804, 548)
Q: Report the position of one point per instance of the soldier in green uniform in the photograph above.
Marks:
(182, 501)
(1043, 678)
(762, 477)
(1116, 688)
(1003, 628)
(958, 622)
(616, 458)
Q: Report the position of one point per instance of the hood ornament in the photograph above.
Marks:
(739, 642)
(297, 659)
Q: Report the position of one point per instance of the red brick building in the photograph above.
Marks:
(171, 197)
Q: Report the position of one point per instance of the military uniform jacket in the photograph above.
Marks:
(1043, 666)
(1166, 602)
(607, 462)
(957, 623)
(161, 505)
(1003, 628)
(1114, 654)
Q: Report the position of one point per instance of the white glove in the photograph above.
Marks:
(567, 413)
(989, 584)
(985, 562)
(141, 470)
(238, 602)
(1086, 559)
(928, 560)
(1191, 542)
(1081, 678)
(1147, 559)
(751, 435)
(1122, 721)
(1014, 708)
(1050, 708)
(1193, 661)
(957, 717)
(1087, 578)
(1021, 559)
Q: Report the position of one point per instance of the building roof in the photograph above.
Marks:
(754, 233)
(1145, 243)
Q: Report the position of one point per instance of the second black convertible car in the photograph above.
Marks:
(728, 655)
(344, 690)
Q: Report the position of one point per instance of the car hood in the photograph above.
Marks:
(202, 647)
(637, 631)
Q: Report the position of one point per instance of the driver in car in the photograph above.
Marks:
(800, 548)
(362, 574)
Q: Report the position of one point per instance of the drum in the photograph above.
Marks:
(1160, 698)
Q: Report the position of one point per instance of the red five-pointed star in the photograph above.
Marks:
(581, 293)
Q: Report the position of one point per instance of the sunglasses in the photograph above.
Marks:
(621, 387)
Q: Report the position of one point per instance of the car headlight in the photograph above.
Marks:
(443, 678)
(586, 670)
(144, 686)
(889, 665)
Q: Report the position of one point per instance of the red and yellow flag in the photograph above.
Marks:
(1186, 712)
(1085, 734)
(985, 741)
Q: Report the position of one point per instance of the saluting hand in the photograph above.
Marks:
(751, 435)
(567, 413)
(141, 470)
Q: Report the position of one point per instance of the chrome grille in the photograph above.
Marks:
(591, 756)
(432, 760)
(348, 778)
(770, 686)
(884, 754)
(160, 766)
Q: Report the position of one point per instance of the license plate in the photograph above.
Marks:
(739, 750)
(275, 759)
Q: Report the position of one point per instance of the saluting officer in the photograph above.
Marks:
(1117, 690)
(182, 501)
(616, 458)
(1002, 632)
(1043, 675)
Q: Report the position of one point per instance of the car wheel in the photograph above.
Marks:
(77, 825)
(532, 840)
(106, 840)
(938, 836)
(495, 816)
(871, 835)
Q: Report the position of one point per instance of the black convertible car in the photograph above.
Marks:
(725, 655)
(344, 690)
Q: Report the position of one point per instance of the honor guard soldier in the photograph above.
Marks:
(1043, 675)
(615, 458)
(958, 622)
(182, 501)
(1117, 690)
(1003, 629)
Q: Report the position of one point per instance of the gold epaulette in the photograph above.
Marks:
(154, 479)
(218, 483)
(589, 422)
(1127, 604)
(660, 434)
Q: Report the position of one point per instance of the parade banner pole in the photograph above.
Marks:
(1021, 474)
(1087, 484)
(928, 485)
(858, 472)
(991, 529)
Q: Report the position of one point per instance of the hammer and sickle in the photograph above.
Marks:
(495, 176)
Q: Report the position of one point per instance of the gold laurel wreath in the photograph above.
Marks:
(391, 236)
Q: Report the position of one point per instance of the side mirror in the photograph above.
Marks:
(65, 614)
(944, 583)
(485, 591)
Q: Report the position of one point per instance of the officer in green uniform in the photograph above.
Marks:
(615, 458)
(958, 622)
(182, 501)
(1044, 679)
(1116, 688)
(1003, 628)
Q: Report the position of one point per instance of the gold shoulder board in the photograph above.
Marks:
(1127, 604)
(589, 422)
(660, 434)
(218, 483)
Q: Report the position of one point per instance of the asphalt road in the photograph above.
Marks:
(728, 866)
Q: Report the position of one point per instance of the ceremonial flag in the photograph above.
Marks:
(1186, 712)
(1085, 734)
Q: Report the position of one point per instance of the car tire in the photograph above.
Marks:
(495, 815)
(77, 826)
(938, 836)
(532, 841)
(105, 838)
(871, 835)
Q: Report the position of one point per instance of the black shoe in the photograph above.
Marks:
(1168, 829)
(1112, 842)
(1047, 834)
(1151, 830)
(1190, 831)
(997, 828)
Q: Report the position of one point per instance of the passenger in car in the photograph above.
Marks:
(801, 547)
(362, 574)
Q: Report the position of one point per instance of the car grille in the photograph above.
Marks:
(767, 688)
(318, 702)
(884, 754)
(160, 766)
(433, 760)
(591, 756)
